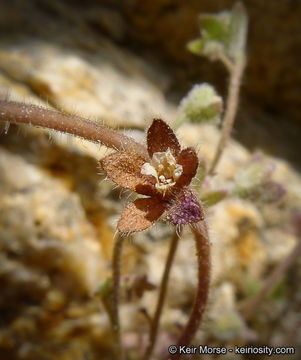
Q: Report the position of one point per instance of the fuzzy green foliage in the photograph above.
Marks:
(201, 104)
(213, 197)
(222, 33)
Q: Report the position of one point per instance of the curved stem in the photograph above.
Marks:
(162, 294)
(116, 264)
(225, 60)
(202, 243)
(231, 109)
(75, 125)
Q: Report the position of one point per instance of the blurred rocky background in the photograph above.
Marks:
(122, 63)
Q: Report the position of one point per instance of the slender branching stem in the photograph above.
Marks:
(162, 294)
(75, 125)
(202, 243)
(116, 264)
(280, 269)
(225, 60)
(231, 108)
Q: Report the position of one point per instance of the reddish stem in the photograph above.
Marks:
(116, 264)
(202, 243)
(75, 125)
(162, 294)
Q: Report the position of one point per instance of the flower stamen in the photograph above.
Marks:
(164, 168)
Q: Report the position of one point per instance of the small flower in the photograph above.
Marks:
(163, 178)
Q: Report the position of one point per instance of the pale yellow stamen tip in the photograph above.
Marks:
(164, 168)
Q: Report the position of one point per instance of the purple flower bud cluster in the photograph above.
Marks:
(187, 210)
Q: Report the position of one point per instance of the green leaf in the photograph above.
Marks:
(224, 33)
(213, 197)
(196, 46)
(215, 26)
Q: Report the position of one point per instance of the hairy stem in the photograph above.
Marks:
(162, 294)
(116, 264)
(202, 243)
(231, 109)
(225, 60)
(38, 116)
(271, 280)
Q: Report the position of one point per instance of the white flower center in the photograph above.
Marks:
(164, 168)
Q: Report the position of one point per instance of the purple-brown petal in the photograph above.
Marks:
(140, 215)
(186, 210)
(160, 138)
(124, 169)
(189, 160)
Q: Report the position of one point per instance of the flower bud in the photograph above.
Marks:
(201, 104)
